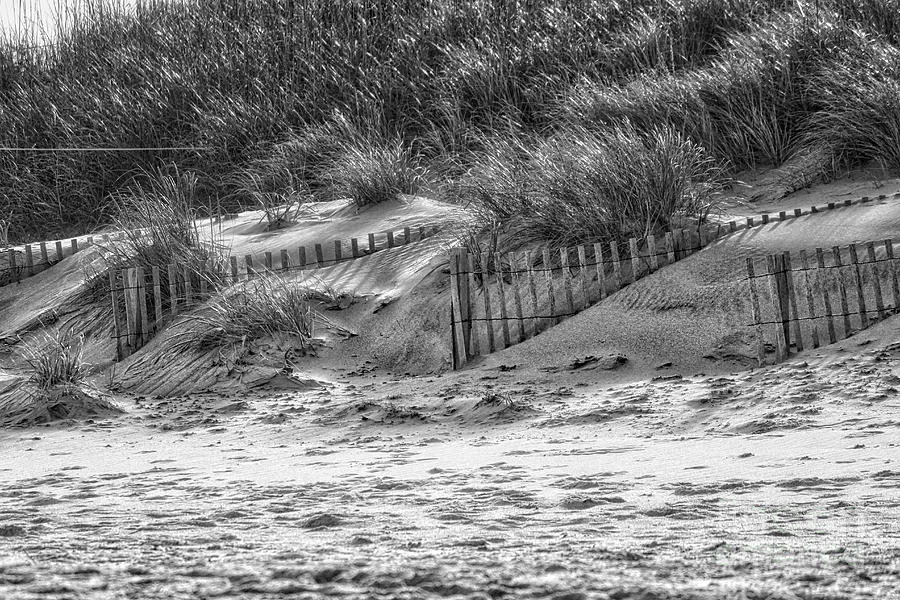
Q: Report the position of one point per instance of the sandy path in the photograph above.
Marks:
(775, 484)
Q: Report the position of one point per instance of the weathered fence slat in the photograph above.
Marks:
(189, 288)
(567, 279)
(117, 318)
(781, 330)
(651, 249)
(486, 293)
(532, 288)
(810, 302)
(504, 324)
(754, 302)
(892, 266)
(173, 290)
(131, 309)
(617, 268)
(822, 279)
(635, 260)
(157, 297)
(842, 289)
(460, 356)
(320, 256)
(860, 291)
(876, 280)
(792, 298)
(474, 343)
(29, 261)
(142, 304)
(517, 293)
(601, 279)
(585, 278)
(548, 272)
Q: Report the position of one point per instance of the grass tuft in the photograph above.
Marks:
(372, 172)
(269, 306)
(56, 361)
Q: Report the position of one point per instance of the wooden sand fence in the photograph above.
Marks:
(501, 299)
(40, 256)
(143, 301)
(818, 297)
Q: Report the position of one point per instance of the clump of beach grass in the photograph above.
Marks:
(55, 360)
(57, 386)
(157, 224)
(267, 306)
(594, 184)
(371, 172)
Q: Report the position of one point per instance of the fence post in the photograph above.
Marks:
(860, 292)
(892, 269)
(117, 319)
(338, 251)
(517, 293)
(504, 323)
(822, 279)
(285, 261)
(567, 279)
(45, 259)
(548, 271)
(59, 251)
(301, 257)
(810, 303)
(601, 279)
(458, 324)
(12, 266)
(131, 309)
(474, 344)
(173, 290)
(782, 333)
(484, 265)
(792, 297)
(757, 317)
(635, 259)
(142, 305)
(842, 289)
(371, 243)
(651, 248)
(585, 288)
(532, 287)
(320, 256)
(876, 280)
(617, 268)
(29, 261)
(157, 298)
(670, 248)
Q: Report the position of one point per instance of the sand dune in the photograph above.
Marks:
(629, 452)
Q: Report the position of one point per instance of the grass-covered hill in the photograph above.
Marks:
(566, 120)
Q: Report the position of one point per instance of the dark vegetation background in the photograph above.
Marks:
(566, 120)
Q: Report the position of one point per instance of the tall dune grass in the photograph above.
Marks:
(269, 89)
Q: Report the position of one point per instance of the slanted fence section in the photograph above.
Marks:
(498, 300)
(31, 259)
(143, 300)
(813, 298)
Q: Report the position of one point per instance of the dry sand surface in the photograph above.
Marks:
(628, 453)
(781, 483)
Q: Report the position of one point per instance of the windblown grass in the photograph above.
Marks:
(269, 306)
(55, 360)
(158, 218)
(585, 185)
(278, 101)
